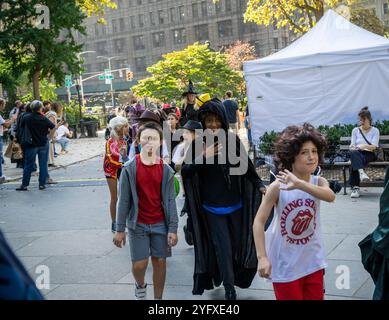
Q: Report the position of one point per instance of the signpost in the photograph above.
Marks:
(68, 84)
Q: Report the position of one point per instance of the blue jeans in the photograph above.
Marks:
(29, 161)
(64, 143)
(1, 156)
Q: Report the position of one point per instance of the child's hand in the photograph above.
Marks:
(288, 180)
(264, 267)
(119, 239)
(172, 239)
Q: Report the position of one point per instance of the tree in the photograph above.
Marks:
(298, 15)
(96, 7)
(368, 20)
(208, 70)
(43, 52)
(236, 54)
(239, 52)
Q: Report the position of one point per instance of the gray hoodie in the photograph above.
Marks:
(127, 209)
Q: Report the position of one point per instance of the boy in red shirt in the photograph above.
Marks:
(147, 206)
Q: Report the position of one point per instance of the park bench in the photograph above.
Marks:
(344, 146)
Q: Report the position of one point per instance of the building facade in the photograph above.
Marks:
(139, 32)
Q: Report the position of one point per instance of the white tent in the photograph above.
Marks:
(324, 77)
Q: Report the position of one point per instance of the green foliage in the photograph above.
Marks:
(47, 90)
(208, 70)
(332, 134)
(72, 113)
(267, 140)
(44, 53)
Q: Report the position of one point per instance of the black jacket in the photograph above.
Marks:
(375, 248)
(206, 273)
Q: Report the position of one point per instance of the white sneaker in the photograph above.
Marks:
(363, 176)
(140, 292)
(355, 193)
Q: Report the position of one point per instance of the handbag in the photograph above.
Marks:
(378, 152)
(8, 151)
(17, 152)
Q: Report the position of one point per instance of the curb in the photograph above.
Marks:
(57, 167)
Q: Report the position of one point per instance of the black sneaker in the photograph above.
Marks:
(230, 295)
(21, 188)
(42, 187)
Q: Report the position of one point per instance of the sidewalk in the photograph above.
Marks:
(79, 150)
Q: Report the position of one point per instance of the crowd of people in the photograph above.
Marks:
(33, 130)
(237, 226)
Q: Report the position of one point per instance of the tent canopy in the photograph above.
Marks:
(324, 77)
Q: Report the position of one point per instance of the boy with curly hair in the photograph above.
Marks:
(291, 252)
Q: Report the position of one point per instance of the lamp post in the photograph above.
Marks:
(109, 67)
(82, 129)
(80, 74)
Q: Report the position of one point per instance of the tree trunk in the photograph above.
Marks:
(35, 83)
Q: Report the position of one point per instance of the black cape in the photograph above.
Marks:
(375, 248)
(206, 273)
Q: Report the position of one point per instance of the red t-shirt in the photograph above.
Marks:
(148, 186)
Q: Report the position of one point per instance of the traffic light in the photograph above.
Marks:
(129, 75)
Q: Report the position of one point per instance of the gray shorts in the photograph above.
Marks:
(148, 240)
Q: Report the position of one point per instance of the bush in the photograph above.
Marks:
(332, 133)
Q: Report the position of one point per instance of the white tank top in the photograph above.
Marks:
(294, 243)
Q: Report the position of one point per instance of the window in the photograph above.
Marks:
(120, 4)
(248, 27)
(140, 64)
(201, 32)
(172, 14)
(122, 24)
(152, 21)
(139, 2)
(119, 45)
(132, 22)
(179, 36)
(204, 8)
(195, 10)
(284, 42)
(275, 40)
(158, 39)
(218, 8)
(181, 12)
(130, 3)
(141, 21)
(97, 30)
(386, 8)
(114, 26)
(138, 42)
(228, 5)
(224, 28)
(161, 17)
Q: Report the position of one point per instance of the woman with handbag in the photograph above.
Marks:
(364, 144)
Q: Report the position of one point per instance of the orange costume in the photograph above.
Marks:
(112, 159)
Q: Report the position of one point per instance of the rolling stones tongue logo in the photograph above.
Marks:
(301, 222)
(298, 221)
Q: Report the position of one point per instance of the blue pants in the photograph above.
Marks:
(359, 160)
(64, 143)
(1, 156)
(30, 154)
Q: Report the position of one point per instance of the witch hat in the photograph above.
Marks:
(190, 89)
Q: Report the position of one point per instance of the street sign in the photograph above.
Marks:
(101, 77)
(68, 80)
(108, 81)
(110, 76)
